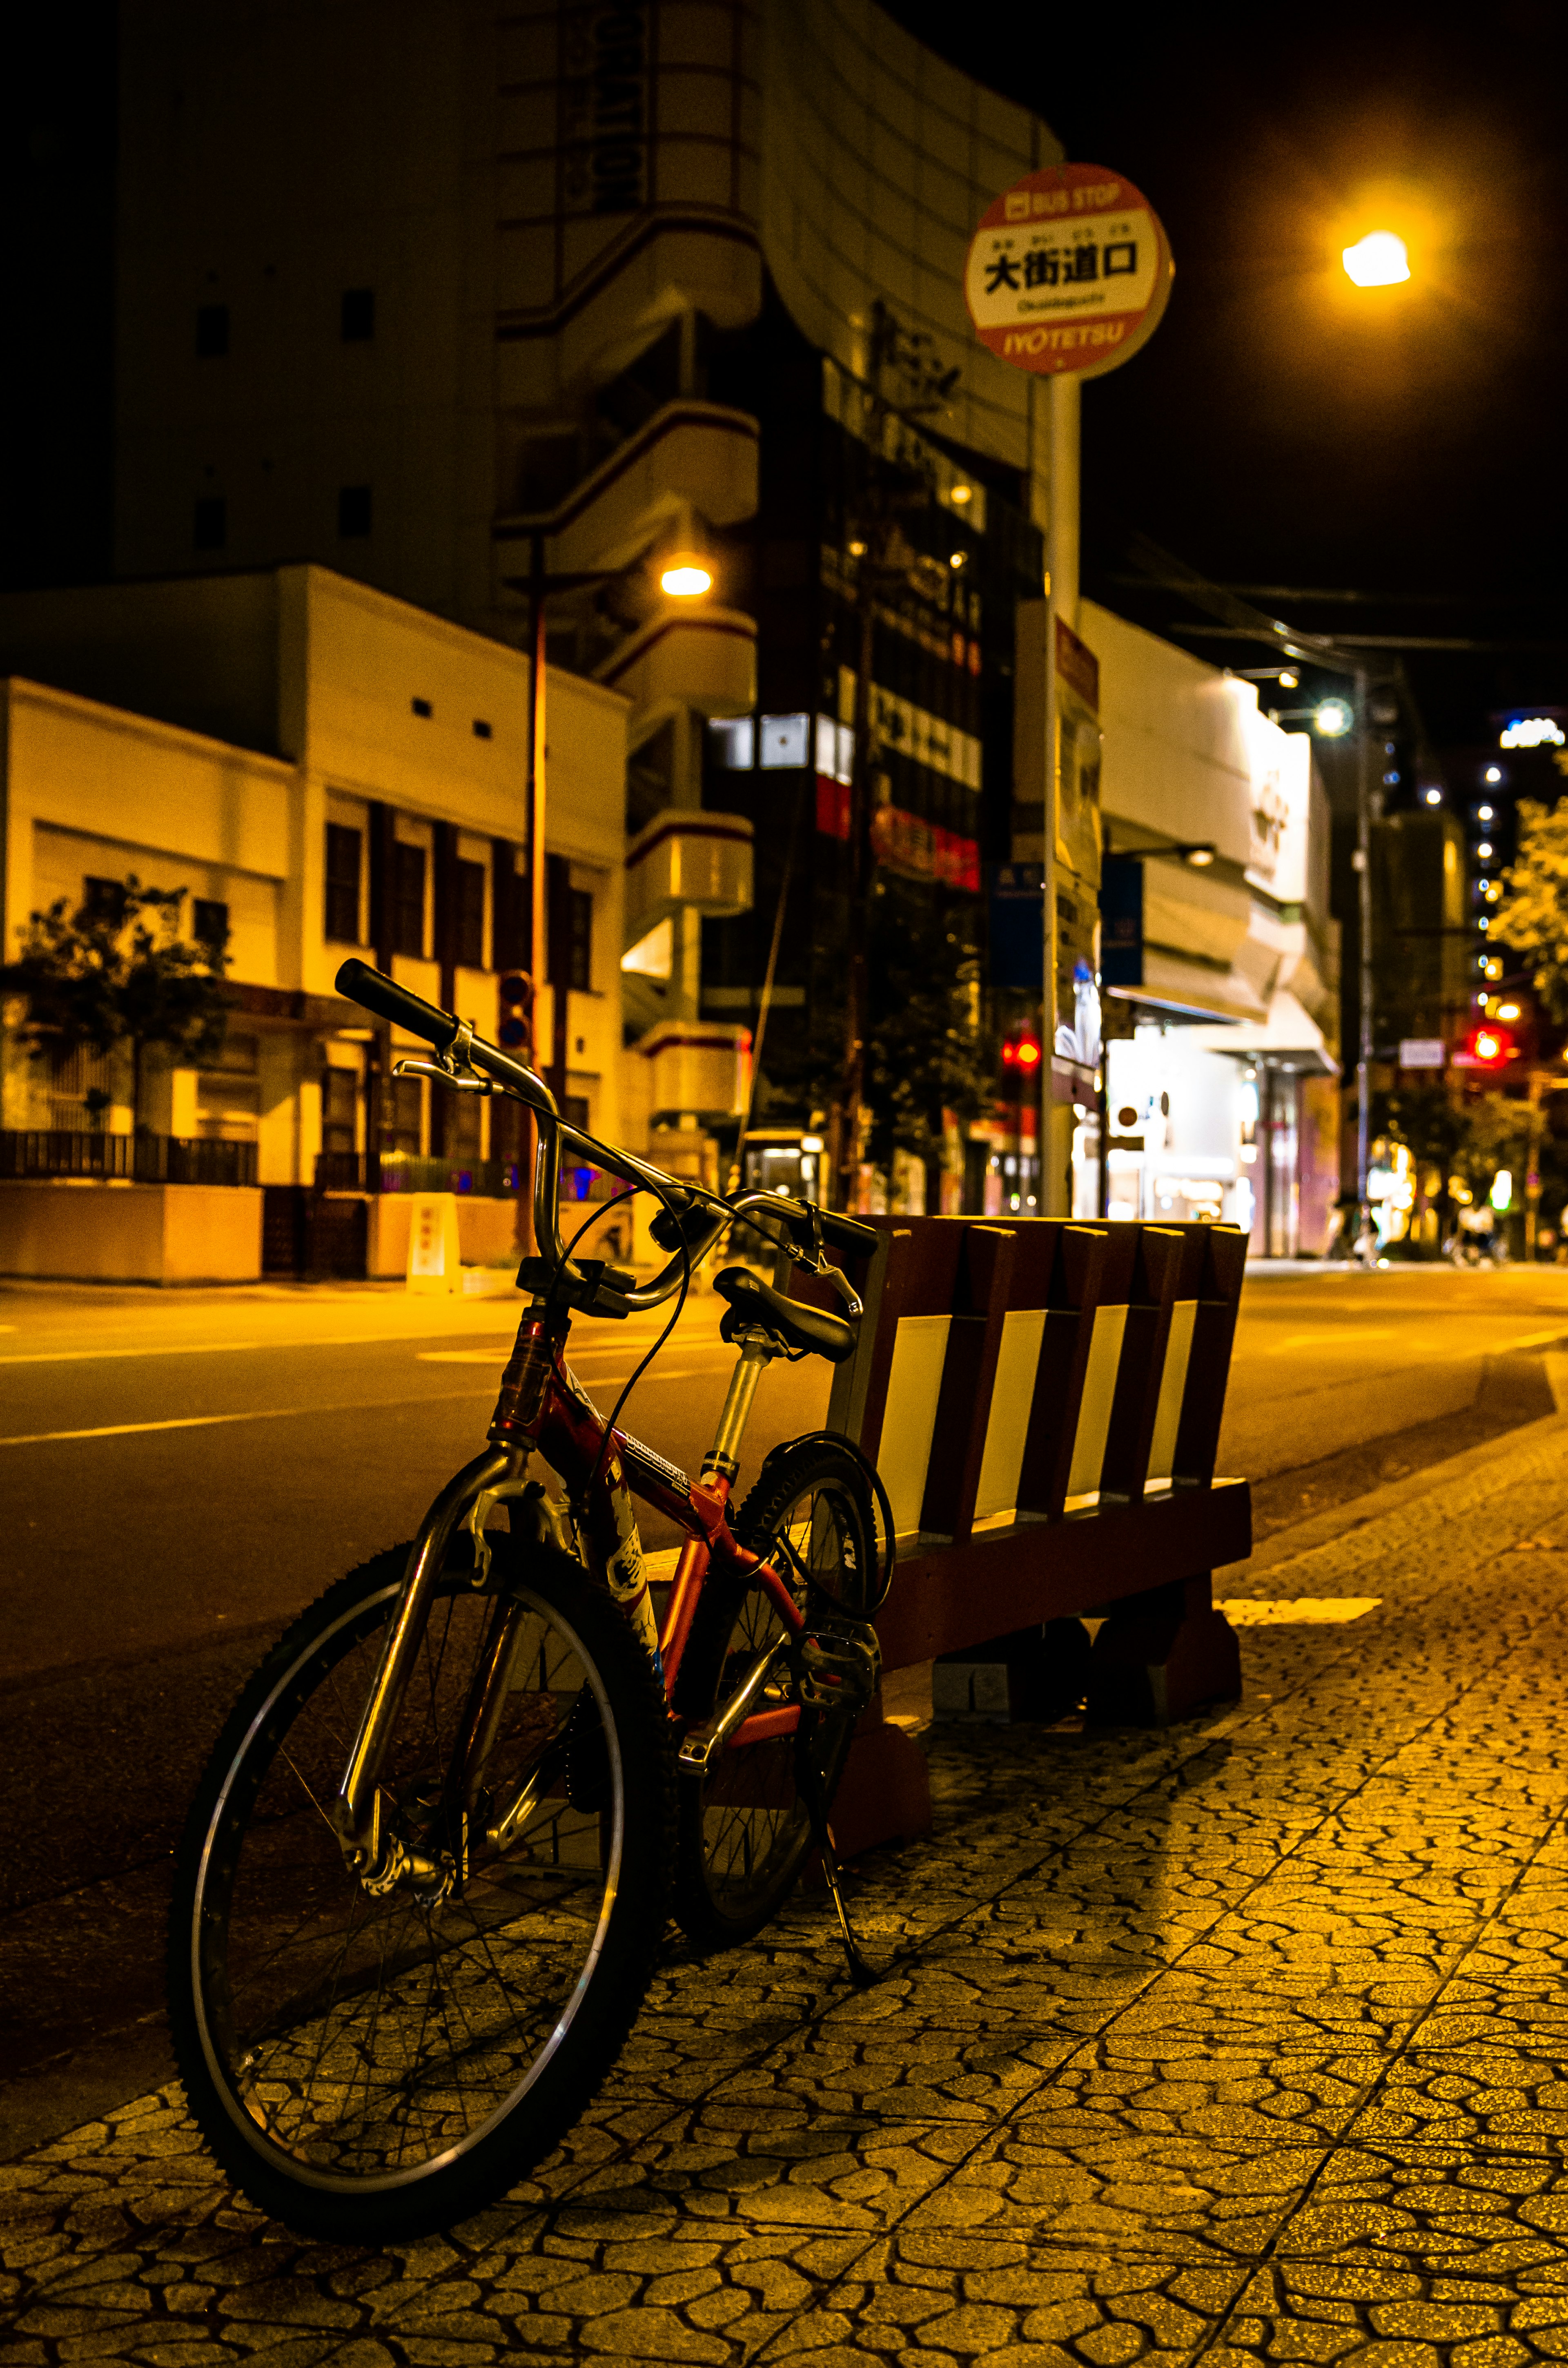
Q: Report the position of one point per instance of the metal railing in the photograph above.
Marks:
(53, 1151)
(403, 1172)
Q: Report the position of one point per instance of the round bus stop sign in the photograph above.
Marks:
(1070, 269)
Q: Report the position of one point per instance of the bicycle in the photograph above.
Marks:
(426, 1870)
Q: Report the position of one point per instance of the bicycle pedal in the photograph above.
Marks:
(836, 1672)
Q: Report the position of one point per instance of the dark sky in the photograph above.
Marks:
(1281, 428)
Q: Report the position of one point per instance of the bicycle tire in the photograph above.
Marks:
(528, 1976)
(744, 1829)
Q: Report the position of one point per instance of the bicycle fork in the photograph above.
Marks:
(379, 1861)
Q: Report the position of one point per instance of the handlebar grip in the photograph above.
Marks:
(376, 993)
(847, 1233)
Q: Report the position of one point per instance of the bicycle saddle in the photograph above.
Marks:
(809, 1329)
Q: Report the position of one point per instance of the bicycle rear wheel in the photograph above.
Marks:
(365, 2066)
(744, 1828)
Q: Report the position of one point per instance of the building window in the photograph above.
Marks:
(227, 1092)
(467, 916)
(339, 1109)
(403, 1105)
(104, 900)
(408, 900)
(359, 314)
(210, 527)
(342, 884)
(209, 924)
(579, 939)
(211, 331)
(353, 511)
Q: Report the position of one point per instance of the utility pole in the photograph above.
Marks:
(1364, 907)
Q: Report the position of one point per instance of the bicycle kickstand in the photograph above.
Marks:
(861, 1972)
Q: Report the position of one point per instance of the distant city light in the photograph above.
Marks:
(1288, 681)
(685, 580)
(1484, 850)
(958, 558)
(964, 493)
(1494, 775)
(1501, 1191)
(1333, 718)
(1531, 731)
(1507, 1011)
(1379, 260)
(1484, 812)
(1433, 797)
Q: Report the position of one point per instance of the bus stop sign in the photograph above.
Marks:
(1070, 269)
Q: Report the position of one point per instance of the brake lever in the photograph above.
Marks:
(453, 1067)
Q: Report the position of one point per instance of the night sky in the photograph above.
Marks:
(1279, 429)
(1282, 428)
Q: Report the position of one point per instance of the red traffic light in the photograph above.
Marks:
(1490, 1048)
(1022, 1052)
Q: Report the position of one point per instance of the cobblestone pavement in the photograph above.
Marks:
(1246, 2041)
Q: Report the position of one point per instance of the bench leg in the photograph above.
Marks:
(1162, 1655)
(884, 1794)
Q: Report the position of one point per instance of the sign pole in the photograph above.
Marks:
(1067, 276)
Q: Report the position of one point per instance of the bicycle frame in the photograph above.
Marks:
(541, 1408)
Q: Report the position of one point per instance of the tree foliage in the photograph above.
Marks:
(925, 1052)
(1533, 916)
(119, 973)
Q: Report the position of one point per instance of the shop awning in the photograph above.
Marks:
(1183, 990)
(1286, 1033)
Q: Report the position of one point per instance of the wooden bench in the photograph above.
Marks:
(1042, 1399)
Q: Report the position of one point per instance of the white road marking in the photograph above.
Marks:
(1344, 1335)
(1296, 1611)
(250, 1414)
(220, 1348)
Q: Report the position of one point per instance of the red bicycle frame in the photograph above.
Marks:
(543, 1408)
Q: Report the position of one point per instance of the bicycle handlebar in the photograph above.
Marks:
(373, 991)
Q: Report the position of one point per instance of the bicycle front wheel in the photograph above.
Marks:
(373, 2067)
(745, 1828)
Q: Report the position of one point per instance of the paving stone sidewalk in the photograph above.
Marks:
(1245, 2042)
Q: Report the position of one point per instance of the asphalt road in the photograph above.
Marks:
(180, 1474)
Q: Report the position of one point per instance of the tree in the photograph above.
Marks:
(925, 1054)
(1432, 1124)
(1500, 1131)
(1533, 916)
(117, 972)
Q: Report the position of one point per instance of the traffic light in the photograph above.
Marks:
(1490, 1047)
(1022, 1054)
(516, 1028)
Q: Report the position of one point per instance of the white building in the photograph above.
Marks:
(325, 770)
(1218, 955)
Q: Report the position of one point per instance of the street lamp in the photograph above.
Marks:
(1333, 717)
(1379, 260)
(686, 578)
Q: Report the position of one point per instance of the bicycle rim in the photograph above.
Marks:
(359, 2045)
(745, 1828)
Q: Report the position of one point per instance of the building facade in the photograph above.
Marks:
(323, 770)
(492, 312)
(1220, 960)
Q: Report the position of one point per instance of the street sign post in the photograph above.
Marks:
(1069, 270)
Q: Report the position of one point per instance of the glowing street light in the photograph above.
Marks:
(1333, 717)
(685, 579)
(1379, 260)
